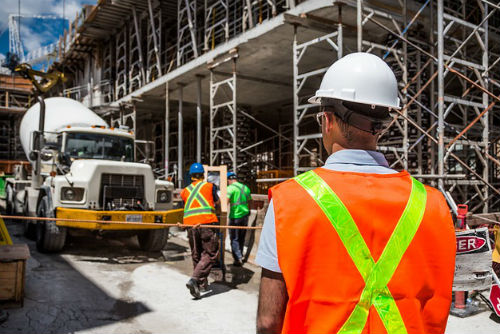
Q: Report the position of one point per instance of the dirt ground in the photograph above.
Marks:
(108, 285)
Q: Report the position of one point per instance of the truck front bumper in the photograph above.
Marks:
(150, 217)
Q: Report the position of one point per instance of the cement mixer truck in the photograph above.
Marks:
(84, 169)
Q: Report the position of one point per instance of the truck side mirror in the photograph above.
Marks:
(33, 155)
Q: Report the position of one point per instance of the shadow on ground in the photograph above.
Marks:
(60, 299)
(234, 277)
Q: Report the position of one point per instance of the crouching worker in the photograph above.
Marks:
(200, 199)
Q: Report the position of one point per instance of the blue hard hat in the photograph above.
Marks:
(196, 168)
(231, 175)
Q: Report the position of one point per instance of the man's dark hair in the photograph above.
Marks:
(197, 176)
(345, 128)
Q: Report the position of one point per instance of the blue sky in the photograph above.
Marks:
(36, 32)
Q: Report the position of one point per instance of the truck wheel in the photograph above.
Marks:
(29, 229)
(49, 236)
(9, 200)
(153, 240)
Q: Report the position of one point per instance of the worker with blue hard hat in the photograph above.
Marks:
(238, 195)
(200, 200)
(196, 168)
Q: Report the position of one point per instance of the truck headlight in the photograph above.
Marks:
(163, 196)
(72, 194)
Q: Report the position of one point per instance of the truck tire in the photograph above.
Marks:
(49, 237)
(29, 228)
(9, 200)
(153, 240)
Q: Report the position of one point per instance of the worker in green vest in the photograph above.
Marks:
(239, 197)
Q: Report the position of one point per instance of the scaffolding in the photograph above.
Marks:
(445, 54)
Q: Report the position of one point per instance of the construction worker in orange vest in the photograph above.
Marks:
(200, 200)
(354, 246)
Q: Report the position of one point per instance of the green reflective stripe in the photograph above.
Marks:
(387, 264)
(199, 211)
(240, 197)
(376, 275)
(340, 218)
(204, 207)
(192, 194)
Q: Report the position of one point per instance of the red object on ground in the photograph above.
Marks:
(462, 210)
(495, 298)
(460, 299)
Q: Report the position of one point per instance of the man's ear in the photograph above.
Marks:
(329, 121)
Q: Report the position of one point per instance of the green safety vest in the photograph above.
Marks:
(194, 193)
(375, 274)
(238, 201)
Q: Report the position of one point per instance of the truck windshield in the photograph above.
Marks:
(99, 146)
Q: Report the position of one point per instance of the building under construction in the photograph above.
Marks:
(227, 82)
(16, 95)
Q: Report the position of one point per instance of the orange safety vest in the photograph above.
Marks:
(199, 206)
(321, 255)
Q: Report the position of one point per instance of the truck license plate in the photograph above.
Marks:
(133, 218)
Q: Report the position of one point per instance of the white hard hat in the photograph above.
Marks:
(361, 78)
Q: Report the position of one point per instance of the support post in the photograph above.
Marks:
(180, 163)
(359, 16)
(134, 129)
(486, 118)
(235, 114)
(167, 130)
(432, 90)
(139, 45)
(155, 40)
(340, 37)
(420, 169)
(440, 129)
(296, 158)
(404, 92)
(198, 118)
(211, 115)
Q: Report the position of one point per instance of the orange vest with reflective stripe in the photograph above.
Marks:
(199, 206)
(323, 283)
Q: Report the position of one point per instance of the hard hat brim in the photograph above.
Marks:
(316, 99)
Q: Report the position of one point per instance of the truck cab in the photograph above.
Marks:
(88, 177)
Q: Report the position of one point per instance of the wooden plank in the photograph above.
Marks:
(7, 289)
(8, 266)
(20, 281)
(7, 282)
(7, 275)
(14, 252)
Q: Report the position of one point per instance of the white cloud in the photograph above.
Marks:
(38, 7)
(34, 36)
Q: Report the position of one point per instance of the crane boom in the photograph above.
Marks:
(16, 45)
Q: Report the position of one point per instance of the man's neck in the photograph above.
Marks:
(337, 147)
